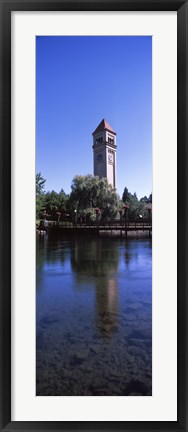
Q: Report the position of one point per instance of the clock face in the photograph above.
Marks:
(110, 157)
(99, 157)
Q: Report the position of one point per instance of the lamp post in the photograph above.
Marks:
(149, 209)
(45, 222)
(126, 207)
(75, 217)
(120, 215)
(97, 211)
(58, 217)
(44, 215)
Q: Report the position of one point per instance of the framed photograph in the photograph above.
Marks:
(93, 215)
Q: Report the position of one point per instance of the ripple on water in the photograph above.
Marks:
(94, 318)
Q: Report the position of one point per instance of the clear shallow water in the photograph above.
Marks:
(94, 316)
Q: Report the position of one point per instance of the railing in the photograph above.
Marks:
(111, 225)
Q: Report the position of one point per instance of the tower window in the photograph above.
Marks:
(98, 140)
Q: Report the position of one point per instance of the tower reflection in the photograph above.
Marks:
(98, 264)
(107, 306)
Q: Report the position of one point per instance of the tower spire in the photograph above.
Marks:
(104, 152)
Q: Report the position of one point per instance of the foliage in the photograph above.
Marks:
(147, 200)
(137, 208)
(40, 204)
(125, 195)
(50, 202)
(55, 203)
(40, 182)
(90, 192)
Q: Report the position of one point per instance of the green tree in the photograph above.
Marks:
(55, 202)
(125, 196)
(144, 199)
(40, 195)
(150, 198)
(90, 192)
(40, 182)
(136, 207)
(52, 204)
(63, 202)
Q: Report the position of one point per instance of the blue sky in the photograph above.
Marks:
(80, 80)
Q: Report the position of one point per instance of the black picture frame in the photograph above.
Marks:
(6, 7)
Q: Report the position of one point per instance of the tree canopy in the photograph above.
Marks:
(40, 194)
(88, 193)
(40, 182)
(137, 207)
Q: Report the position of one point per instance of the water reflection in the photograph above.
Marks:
(92, 258)
(99, 263)
(93, 316)
(107, 306)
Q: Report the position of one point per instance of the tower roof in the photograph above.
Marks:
(103, 125)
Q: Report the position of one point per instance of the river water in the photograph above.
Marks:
(94, 316)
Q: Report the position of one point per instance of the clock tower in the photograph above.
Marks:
(104, 152)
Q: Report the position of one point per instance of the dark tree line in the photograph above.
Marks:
(88, 193)
(137, 207)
